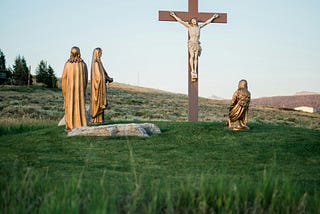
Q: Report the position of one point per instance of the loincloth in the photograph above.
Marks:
(194, 47)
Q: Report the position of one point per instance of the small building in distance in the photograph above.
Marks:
(306, 109)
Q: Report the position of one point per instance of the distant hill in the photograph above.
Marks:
(131, 103)
(300, 99)
(214, 97)
(306, 93)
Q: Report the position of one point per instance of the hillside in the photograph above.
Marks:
(290, 102)
(129, 103)
(188, 168)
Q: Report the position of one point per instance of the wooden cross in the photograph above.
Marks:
(201, 17)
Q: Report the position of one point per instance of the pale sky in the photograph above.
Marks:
(273, 44)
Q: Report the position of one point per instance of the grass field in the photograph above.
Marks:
(136, 103)
(189, 168)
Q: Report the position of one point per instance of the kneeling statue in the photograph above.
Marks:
(238, 111)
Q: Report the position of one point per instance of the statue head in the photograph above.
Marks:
(97, 52)
(243, 84)
(75, 55)
(193, 22)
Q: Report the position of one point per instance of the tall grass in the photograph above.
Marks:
(36, 192)
(12, 126)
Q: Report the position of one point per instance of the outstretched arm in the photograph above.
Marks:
(179, 20)
(209, 20)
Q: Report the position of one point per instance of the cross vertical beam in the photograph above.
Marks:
(193, 8)
(193, 86)
(201, 17)
(193, 95)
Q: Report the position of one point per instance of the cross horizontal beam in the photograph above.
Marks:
(186, 16)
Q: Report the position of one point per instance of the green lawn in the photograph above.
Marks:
(190, 167)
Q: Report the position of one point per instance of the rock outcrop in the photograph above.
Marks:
(132, 129)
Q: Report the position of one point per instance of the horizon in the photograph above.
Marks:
(273, 45)
(213, 96)
(216, 97)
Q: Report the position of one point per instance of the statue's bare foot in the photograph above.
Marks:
(194, 76)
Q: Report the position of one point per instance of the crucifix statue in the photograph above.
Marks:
(194, 42)
(190, 20)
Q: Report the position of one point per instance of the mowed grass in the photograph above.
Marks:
(189, 168)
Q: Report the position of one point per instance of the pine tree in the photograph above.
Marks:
(41, 72)
(2, 62)
(45, 74)
(21, 74)
(5, 74)
(52, 79)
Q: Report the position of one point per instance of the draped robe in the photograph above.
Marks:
(238, 111)
(98, 92)
(74, 84)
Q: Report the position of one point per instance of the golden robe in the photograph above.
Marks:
(98, 91)
(74, 84)
(239, 108)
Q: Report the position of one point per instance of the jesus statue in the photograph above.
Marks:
(194, 43)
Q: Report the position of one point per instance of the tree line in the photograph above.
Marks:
(20, 73)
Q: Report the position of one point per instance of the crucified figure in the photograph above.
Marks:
(194, 43)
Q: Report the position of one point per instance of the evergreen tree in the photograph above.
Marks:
(52, 79)
(41, 72)
(45, 74)
(2, 62)
(21, 74)
(5, 74)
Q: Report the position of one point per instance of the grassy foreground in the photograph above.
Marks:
(189, 168)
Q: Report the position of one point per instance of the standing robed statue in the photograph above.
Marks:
(99, 79)
(74, 84)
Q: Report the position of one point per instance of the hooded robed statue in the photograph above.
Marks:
(74, 84)
(99, 78)
(238, 111)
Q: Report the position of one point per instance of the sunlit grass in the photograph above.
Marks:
(134, 103)
(190, 167)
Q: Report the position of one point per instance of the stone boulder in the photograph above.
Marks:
(132, 129)
(62, 122)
